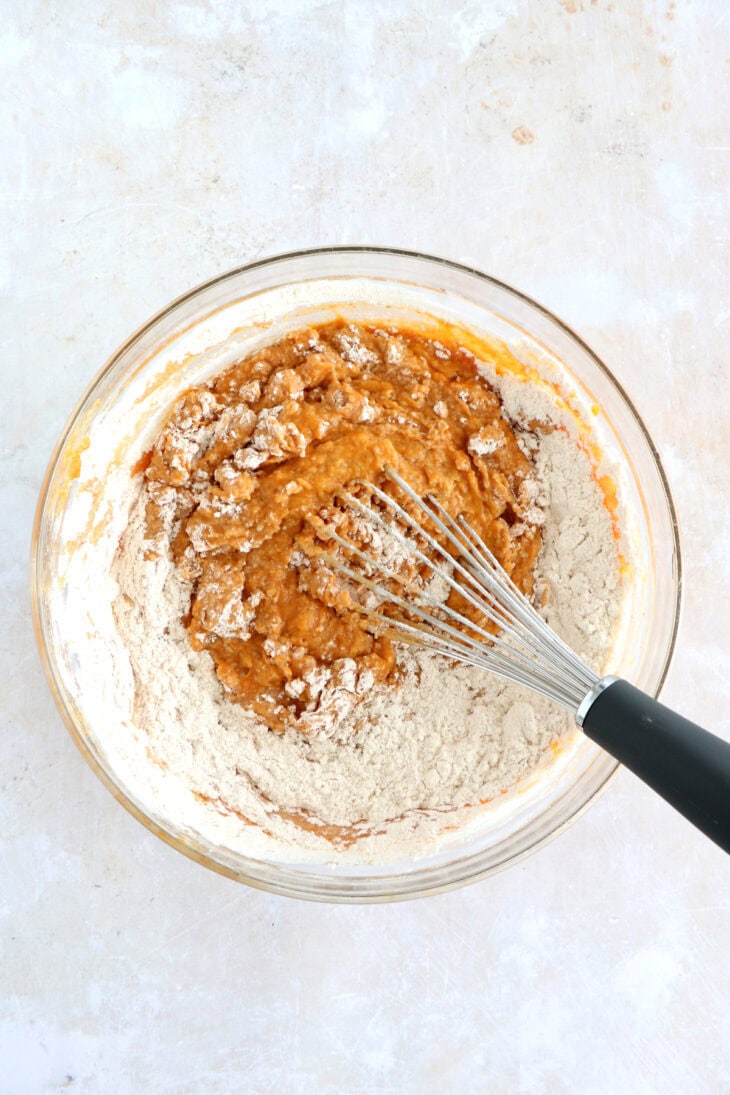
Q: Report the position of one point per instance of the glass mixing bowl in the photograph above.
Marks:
(220, 322)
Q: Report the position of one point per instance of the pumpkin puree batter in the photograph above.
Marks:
(248, 474)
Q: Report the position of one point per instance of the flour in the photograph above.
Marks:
(396, 765)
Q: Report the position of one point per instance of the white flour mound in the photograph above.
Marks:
(406, 762)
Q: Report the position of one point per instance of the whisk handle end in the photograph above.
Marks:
(688, 766)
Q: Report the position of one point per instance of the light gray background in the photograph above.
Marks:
(579, 150)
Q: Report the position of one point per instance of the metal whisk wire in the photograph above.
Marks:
(527, 651)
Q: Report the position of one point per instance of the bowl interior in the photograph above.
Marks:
(79, 524)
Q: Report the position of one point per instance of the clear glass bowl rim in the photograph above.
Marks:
(308, 889)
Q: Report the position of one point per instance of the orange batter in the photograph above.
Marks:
(248, 474)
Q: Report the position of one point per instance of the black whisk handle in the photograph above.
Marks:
(686, 765)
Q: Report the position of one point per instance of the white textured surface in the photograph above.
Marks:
(579, 150)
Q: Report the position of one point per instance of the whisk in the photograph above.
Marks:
(686, 765)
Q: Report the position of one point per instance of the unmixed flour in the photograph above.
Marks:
(401, 765)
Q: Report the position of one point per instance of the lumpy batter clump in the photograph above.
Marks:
(250, 472)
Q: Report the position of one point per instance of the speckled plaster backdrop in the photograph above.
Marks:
(579, 150)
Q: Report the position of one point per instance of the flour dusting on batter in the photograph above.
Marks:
(372, 754)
